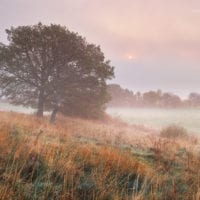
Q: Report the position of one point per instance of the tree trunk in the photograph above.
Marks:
(40, 108)
(53, 115)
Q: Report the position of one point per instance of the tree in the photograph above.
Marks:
(170, 100)
(120, 96)
(43, 65)
(151, 98)
(194, 99)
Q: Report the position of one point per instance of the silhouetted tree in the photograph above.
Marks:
(170, 100)
(120, 96)
(194, 99)
(151, 98)
(123, 97)
(43, 65)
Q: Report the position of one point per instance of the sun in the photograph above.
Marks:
(130, 57)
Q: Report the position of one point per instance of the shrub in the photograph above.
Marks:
(174, 131)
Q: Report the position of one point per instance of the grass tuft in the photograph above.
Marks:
(174, 131)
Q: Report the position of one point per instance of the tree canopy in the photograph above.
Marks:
(126, 98)
(52, 68)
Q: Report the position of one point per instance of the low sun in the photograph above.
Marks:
(130, 57)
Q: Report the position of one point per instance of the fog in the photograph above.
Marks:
(157, 118)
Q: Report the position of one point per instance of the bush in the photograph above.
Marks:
(174, 131)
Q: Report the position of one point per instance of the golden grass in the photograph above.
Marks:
(97, 160)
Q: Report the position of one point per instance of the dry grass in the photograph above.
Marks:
(82, 159)
(174, 131)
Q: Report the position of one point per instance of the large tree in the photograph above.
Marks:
(49, 67)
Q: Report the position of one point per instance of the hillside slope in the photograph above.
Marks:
(82, 159)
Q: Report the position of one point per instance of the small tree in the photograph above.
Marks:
(194, 99)
(151, 98)
(42, 65)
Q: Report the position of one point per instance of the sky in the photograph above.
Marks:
(153, 44)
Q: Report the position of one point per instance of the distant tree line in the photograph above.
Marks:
(126, 98)
(53, 69)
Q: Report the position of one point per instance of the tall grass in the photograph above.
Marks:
(79, 159)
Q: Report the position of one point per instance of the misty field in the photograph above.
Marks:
(149, 117)
(77, 159)
(158, 118)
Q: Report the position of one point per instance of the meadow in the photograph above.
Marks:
(158, 118)
(98, 160)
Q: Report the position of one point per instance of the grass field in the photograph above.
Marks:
(97, 160)
(159, 118)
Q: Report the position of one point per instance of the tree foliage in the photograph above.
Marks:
(126, 98)
(52, 68)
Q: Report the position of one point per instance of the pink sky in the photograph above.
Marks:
(152, 43)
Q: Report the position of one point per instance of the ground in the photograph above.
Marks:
(87, 159)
